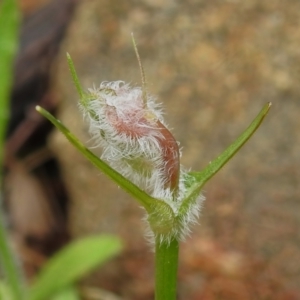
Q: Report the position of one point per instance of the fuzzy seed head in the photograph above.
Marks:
(137, 143)
(135, 140)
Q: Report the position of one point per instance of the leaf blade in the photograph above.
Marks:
(74, 76)
(200, 178)
(71, 263)
(9, 26)
(68, 293)
(143, 198)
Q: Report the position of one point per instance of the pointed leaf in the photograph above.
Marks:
(71, 263)
(196, 180)
(143, 198)
(74, 76)
(9, 25)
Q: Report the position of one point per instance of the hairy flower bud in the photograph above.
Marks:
(134, 137)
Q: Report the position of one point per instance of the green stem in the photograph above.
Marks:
(9, 28)
(166, 265)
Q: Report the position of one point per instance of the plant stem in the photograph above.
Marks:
(166, 265)
(9, 28)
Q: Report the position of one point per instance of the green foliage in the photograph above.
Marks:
(9, 25)
(196, 180)
(5, 291)
(77, 259)
(74, 76)
(144, 199)
(158, 210)
(69, 293)
(71, 263)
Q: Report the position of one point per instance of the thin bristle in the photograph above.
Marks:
(143, 76)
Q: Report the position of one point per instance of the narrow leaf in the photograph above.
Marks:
(74, 76)
(68, 293)
(198, 179)
(9, 25)
(143, 198)
(5, 291)
(73, 262)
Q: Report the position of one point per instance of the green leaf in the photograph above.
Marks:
(196, 180)
(9, 25)
(73, 262)
(143, 198)
(74, 76)
(68, 293)
(5, 292)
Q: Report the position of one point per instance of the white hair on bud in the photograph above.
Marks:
(126, 129)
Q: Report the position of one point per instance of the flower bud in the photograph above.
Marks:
(134, 138)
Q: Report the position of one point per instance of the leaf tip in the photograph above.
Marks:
(68, 57)
(267, 107)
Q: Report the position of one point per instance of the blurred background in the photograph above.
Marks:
(213, 65)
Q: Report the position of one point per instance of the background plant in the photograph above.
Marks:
(58, 276)
(9, 25)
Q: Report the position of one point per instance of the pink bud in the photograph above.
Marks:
(135, 140)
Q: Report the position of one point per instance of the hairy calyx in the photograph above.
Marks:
(134, 137)
(137, 143)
